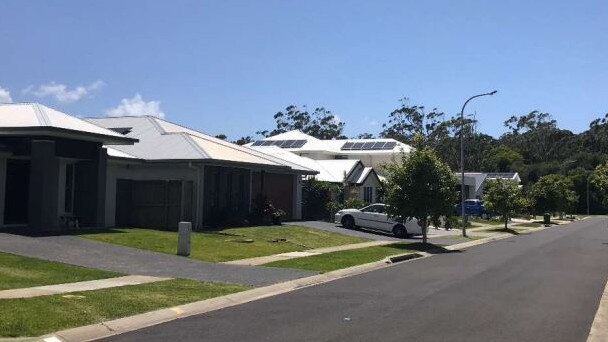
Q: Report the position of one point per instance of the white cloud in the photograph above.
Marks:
(5, 96)
(136, 106)
(62, 93)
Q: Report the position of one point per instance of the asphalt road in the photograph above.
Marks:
(544, 286)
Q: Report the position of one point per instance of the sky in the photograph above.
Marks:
(227, 66)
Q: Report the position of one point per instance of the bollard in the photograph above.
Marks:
(183, 238)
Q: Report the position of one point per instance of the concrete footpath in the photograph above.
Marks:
(89, 285)
(309, 252)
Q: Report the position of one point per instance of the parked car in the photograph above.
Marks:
(374, 217)
(472, 207)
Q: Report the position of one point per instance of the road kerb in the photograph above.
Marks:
(599, 327)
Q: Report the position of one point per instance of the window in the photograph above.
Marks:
(68, 206)
(377, 208)
(368, 194)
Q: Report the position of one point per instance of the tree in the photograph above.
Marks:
(421, 186)
(554, 193)
(321, 123)
(221, 136)
(243, 140)
(503, 159)
(365, 136)
(504, 197)
(599, 180)
(408, 121)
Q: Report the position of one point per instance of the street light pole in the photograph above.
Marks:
(462, 195)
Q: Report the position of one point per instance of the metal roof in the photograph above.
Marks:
(161, 140)
(19, 119)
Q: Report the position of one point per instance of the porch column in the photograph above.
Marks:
(44, 186)
(101, 170)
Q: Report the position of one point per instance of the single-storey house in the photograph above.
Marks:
(58, 171)
(475, 182)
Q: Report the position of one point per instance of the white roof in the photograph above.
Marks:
(34, 118)
(164, 140)
(335, 145)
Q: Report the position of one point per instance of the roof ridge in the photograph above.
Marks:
(193, 144)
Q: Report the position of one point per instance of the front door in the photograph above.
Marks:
(17, 191)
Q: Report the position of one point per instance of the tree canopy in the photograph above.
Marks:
(320, 123)
(421, 186)
(503, 197)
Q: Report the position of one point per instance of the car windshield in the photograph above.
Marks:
(376, 208)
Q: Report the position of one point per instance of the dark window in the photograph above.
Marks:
(367, 194)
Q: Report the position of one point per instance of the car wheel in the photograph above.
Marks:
(348, 222)
(400, 231)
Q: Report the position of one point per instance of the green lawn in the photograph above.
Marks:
(19, 272)
(343, 259)
(42, 315)
(228, 244)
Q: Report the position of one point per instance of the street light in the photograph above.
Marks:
(462, 195)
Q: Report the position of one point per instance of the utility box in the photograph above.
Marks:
(183, 238)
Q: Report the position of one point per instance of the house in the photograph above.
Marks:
(58, 171)
(362, 180)
(175, 173)
(51, 166)
(371, 152)
(475, 182)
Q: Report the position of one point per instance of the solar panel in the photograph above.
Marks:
(257, 143)
(367, 146)
(378, 145)
(298, 143)
(288, 143)
(267, 143)
(347, 145)
(389, 145)
(357, 146)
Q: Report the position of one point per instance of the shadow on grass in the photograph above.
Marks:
(503, 230)
(422, 247)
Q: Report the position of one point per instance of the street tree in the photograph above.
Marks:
(554, 193)
(320, 123)
(420, 187)
(504, 197)
(599, 181)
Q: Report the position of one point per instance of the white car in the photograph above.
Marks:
(374, 217)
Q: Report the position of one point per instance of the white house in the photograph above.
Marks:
(371, 152)
(475, 182)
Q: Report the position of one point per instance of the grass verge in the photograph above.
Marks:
(337, 260)
(530, 225)
(227, 244)
(19, 272)
(41, 315)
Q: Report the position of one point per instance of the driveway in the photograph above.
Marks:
(544, 286)
(88, 253)
(436, 236)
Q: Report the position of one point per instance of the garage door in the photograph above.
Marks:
(153, 204)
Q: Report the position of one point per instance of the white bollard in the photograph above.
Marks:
(183, 238)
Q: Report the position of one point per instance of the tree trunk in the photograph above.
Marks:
(423, 226)
(506, 220)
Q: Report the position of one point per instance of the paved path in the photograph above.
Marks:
(48, 290)
(309, 252)
(88, 253)
(437, 236)
(544, 286)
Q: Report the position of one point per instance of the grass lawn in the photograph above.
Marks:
(228, 244)
(337, 260)
(41, 315)
(509, 230)
(19, 272)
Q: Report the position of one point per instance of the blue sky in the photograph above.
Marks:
(228, 66)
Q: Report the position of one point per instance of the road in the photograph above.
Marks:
(544, 286)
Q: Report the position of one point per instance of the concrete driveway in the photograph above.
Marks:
(95, 254)
(437, 236)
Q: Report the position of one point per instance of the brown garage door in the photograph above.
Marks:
(278, 189)
(153, 204)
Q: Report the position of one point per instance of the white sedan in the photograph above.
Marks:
(374, 217)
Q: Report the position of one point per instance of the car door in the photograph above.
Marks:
(382, 221)
(370, 217)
